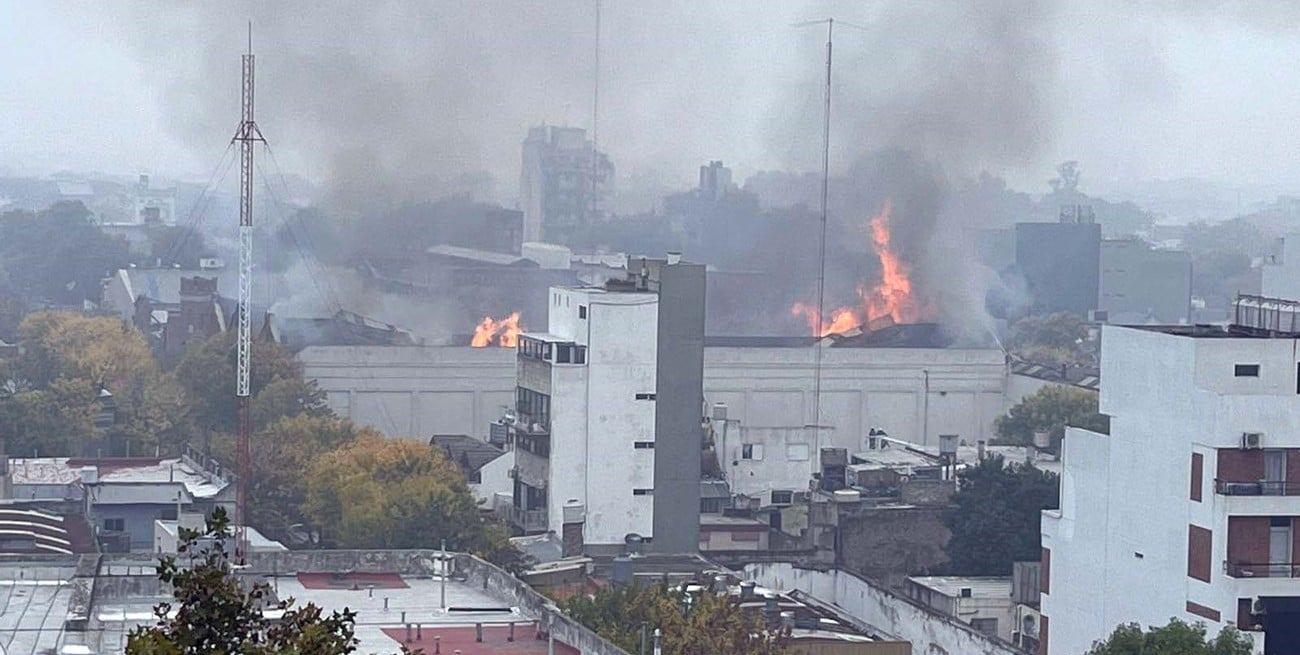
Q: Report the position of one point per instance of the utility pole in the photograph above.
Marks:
(246, 136)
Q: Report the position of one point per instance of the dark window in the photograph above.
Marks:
(1198, 464)
(645, 396)
(1246, 370)
(582, 311)
(533, 407)
(1198, 553)
(563, 354)
(579, 354)
(114, 525)
(644, 444)
(782, 497)
(643, 492)
(751, 451)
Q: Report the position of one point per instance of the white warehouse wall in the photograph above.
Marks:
(452, 389)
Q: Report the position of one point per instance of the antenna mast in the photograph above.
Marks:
(595, 123)
(246, 135)
(821, 252)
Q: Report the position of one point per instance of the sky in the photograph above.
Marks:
(416, 93)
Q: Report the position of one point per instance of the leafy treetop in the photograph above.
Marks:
(1176, 638)
(996, 515)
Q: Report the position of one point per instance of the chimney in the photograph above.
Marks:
(771, 609)
(747, 590)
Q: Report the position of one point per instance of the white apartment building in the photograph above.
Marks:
(1190, 507)
(1280, 274)
(585, 416)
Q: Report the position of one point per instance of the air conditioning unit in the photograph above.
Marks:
(1252, 440)
(509, 417)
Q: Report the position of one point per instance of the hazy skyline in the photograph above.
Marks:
(1155, 92)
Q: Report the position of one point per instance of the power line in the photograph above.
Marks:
(199, 208)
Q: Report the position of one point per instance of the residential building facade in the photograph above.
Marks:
(562, 182)
(1142, 285)
(1190, 507)
(607, 415)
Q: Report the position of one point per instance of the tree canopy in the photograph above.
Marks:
(1050, 410)
(996, 515)
(1175, 638)
(56, 256)
(207, 372)
(392, 493)
(709, 625)
(1053, 339)
(216, 613)
(55, 387)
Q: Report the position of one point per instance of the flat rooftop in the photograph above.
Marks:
(980, 587)
(136, 470)
(35, 601)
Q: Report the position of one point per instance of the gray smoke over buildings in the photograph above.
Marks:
(387, 102)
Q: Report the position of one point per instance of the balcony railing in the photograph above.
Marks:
(1274, 570)
(528, 520)
(1260, 488)
(529, 424)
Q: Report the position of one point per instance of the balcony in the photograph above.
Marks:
(526, 424)
(1273, 570)
(528, 520)
(1260, 488)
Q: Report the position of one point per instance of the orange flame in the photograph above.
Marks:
(506, 332)
(890, 301)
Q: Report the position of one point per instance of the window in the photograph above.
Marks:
(114, 525)
(1246, 370)
(797, 452)
(643, 492)
(644, 445)
(563, 353)
(533, 407)
(752, 451)
(645, 396)
(985, 626)
(582, 311)
(782, 497)
(579, 354)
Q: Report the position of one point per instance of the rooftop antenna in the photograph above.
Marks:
(821, 248)
(246, 135)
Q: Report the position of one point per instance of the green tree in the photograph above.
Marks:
(995, 516)
(214, 613)
(709, 625)
(1050, 410)
(282, 455)
(1049, 339)
(57, 255)
(1176, 638)
(289, 397)
(397, 493)
(66, 359)
(175, 245)
(207, 372)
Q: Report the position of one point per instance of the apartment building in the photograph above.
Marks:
(1190, 507)
(606, 426)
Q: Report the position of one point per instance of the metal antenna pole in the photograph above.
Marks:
(595, 122)
(246, 135)
(821, 243)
